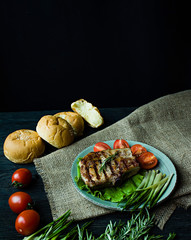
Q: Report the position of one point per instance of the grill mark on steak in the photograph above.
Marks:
(118, 163)
(111, 168)
(87, 171)
(125, 163)
(96, 170)
(88, 168)
(105, 174)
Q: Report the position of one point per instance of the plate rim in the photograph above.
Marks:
(103, 203)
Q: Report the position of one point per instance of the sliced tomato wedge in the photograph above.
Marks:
(138, 149)
(120, 143)
(100, 146)
(147, 160)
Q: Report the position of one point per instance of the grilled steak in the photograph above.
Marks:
(120, 164)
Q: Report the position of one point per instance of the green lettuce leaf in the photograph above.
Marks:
(113, 194)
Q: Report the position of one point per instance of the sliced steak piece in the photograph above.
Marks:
(120, 165)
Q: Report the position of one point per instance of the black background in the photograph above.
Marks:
(111, 53)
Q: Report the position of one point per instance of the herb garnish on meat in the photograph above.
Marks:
(108, 159)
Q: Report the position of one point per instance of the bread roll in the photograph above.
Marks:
(89, 112)
(75, 120)
(55, 130)
(22, 146)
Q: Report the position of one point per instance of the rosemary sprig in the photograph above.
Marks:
(53, 229)
(108, 159)
(81, 231)
(136, 228)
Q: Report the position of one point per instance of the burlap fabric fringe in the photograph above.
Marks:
(164, 123)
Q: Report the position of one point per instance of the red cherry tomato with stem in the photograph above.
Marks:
(138, 149)
(147, 160)
(27, 222)
(120, 143)
(20, 201)
(22, 177)
(100, 146)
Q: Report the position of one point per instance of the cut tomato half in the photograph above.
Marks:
(138, 149)
(120, 143)
(147, 160)
(100, 146)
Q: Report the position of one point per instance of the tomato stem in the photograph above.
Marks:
(30, 205)
(17, 184)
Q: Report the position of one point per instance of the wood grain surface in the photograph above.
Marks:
(180, 221)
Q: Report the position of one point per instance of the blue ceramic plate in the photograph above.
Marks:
(165, 166)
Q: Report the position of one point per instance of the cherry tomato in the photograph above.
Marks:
(19, 201)
(147, 160)
(27, 222)
(100, 146)
(21, 177)
(138, 149)
(120, 143)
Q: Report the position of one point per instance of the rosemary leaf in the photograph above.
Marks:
(108, 159)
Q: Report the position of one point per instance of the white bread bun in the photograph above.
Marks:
(89, 112)
(55, 131)
(22, 146)
(75, 120)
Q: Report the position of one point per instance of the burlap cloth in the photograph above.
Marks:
(164, 123)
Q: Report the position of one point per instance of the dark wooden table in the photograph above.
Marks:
(180, 222)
